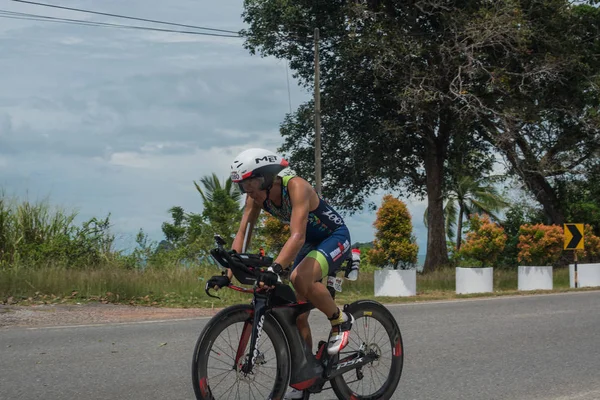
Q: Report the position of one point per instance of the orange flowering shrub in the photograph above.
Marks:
(540, 244)
(394, 243)
(591, 252)
(485, 240)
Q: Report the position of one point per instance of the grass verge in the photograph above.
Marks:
(177, 287)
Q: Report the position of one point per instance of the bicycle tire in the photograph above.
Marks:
(225, 318)
(373, 309)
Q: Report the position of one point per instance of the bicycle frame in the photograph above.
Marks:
(310, 372)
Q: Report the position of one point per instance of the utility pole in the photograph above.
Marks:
(317, 116)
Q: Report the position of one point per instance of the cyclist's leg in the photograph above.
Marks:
(303, 326)
(319, 263)
(325, 259)
(306, 277)
(302, 320)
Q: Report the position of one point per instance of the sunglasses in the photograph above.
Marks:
(251, 185)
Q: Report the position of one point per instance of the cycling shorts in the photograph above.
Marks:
(330, 253)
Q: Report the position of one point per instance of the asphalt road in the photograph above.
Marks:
(532, 347)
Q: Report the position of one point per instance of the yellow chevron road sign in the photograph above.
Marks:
(573, 236)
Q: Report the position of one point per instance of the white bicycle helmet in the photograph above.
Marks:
(257, 163)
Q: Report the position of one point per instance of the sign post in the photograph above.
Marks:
(574, 241)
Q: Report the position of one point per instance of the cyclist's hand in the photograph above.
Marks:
(268, 279)
(217, 282)
(271, 276)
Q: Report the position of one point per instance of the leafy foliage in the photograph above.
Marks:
(394, 242)
(212, 186)
(392, 109)
(540, 244)
(549, 124)
(580, 196)
(519, 213)
(190, 235)
(274, 234)
(408, 85)
(485, 240)
(36, 235)
(466, 197)
(591, 251)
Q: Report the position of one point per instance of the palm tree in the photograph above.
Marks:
(222, 209)
(212, 184)
(469, 196)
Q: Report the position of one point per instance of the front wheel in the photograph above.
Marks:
(374, 331)
(221, 353)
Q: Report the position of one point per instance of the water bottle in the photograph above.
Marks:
(353, 273)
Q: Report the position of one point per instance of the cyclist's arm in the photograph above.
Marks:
(250, 215)
(300, 192)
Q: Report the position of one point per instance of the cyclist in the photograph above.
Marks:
(319, 240)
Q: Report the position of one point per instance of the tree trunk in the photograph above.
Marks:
(545, 194)
(437, 253)
(459, 227)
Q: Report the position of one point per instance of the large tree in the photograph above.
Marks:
(404, 82)
(391, 75)
(547, 125)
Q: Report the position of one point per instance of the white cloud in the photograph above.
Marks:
(71, 40)
(129, 159)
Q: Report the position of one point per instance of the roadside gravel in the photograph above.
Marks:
(91, 313)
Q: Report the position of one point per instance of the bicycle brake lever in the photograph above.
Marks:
(207, 290)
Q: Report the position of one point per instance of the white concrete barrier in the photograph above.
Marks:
(535, 278)
(395, 282)
(588, 275)
(474, 280)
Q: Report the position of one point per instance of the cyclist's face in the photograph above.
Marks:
(252, 187)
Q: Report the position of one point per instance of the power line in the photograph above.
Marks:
(34, 17)
(124, 16)
(287, 76)
(44, 18)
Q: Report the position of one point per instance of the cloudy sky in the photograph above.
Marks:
(123, 121)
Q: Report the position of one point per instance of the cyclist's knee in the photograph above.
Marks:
(305, 275)
(301, 282)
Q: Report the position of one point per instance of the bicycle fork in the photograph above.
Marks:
(252, 331)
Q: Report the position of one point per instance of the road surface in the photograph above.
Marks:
(543, 347)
